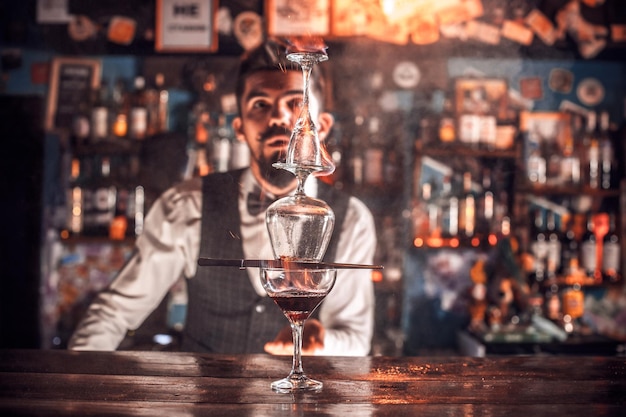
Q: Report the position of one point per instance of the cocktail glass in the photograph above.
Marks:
(297, 292)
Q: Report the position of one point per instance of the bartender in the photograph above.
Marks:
(222, 215)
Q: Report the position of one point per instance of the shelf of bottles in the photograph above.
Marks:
(572, 184)
(463, 204)
(104, 197)
(549, 183)
(212, 143)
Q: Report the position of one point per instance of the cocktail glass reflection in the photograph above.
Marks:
(297, 292)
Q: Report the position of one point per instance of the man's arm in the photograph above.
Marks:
(167, 249)
(348, 311)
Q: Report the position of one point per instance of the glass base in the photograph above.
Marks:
(296, 383)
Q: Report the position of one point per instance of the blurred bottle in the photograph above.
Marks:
(120, 110)
(100, 113)
(611, 252)
(448, 203)
(138, 110)
(570, 163)
(164, 103)
(447, 123)
(592, 153)
(221, 145)
(75, 198)
(99, 201)
(485, 205)
(374, 155)
(607, 153)
(553, 259)
(81, 123)
(467, 208)
(157, 103)
(539, 249)
(536, 164)
(588, 252)
(570, 262)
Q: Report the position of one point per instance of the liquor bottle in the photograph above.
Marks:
(75, 199)
(588, 253)
(611, 251)
(221, 145)
(538, 249)
(607, 153)
(447, 123)
(81, 123)
(486, 205)
(119, 110)
(138, 110)
(157, 102)
(163, 113)
(449, 202)
(553, 259)
(152, 105)
(119, 227)
(467, 208)
(536, 164)
(592, 159)
(431, 226)
(570, 163)
(570, 261)
(356, 152)
(100, 114)
(123, 222)
(374, 155)
(136, 199)
(202, 167)
(99, 201)
(553, 307)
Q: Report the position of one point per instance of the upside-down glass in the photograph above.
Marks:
(297, 292)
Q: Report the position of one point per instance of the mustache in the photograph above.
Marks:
(274, 131)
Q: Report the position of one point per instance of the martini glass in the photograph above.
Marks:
(297, 292)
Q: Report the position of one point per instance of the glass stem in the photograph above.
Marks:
(301, 175)
(296, 332)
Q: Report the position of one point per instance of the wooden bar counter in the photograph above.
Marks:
(64, 383)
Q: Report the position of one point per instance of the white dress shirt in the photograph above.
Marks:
(169, 247)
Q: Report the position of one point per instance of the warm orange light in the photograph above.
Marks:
(377, 276)
(313, 44)
(120, 126)
(435, 242)
(418, 242)
(388, 7)
(493, 239)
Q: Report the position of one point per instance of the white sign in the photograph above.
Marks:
(186, 25)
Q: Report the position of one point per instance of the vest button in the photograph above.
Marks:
(260, 308)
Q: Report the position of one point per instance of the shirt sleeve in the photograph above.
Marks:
(348, 311)
(166, 250)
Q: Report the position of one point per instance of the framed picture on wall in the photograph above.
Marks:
(71, 82)
(298, 17)
(186, 26)
(485, 96)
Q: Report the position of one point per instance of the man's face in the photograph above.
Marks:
(270, 106)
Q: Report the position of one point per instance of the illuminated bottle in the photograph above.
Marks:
(588, 253)
(611, 252)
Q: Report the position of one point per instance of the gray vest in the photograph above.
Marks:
(224, 313)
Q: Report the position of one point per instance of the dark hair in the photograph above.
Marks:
(271, 56)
